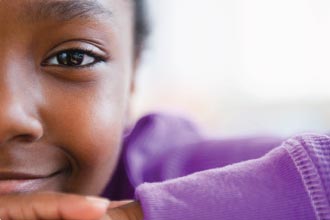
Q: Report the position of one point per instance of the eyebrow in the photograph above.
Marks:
(64, 10)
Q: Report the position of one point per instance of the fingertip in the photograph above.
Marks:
(84, 207)
(98, 203)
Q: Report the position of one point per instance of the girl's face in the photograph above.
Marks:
(65, 81)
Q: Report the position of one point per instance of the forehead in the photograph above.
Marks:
(64, 10)
(35, 26)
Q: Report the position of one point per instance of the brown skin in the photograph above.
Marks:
(61, 124)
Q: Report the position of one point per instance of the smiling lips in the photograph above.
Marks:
(27, 167)
(19, 176)
(14, 182)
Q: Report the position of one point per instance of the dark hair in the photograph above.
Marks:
(141, 26)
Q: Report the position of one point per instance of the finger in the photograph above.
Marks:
(116, 214)
(130, 211)
(115, 204)
(48, 205)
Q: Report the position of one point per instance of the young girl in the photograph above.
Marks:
(66, 77)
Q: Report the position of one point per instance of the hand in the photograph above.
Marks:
(124, 210)
(49, 205)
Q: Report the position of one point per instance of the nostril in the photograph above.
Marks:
(23, 129)
(18, 121)
(26, 138)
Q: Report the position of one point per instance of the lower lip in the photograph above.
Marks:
(29, 185)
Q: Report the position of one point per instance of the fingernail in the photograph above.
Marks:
(106, 217)
(98, 202)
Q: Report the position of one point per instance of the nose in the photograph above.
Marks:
(18, 94)
(18, 118)
(17, 124)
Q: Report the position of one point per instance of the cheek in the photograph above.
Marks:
(87, 122)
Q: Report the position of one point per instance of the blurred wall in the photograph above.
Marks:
(239, 67)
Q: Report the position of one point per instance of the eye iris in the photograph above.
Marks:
(71, 58)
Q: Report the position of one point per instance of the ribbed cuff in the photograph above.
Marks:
(301, 150)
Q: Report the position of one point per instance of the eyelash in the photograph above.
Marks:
(84, 52)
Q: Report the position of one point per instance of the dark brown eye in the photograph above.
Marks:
(73, 58)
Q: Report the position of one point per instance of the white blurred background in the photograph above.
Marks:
(239, 67)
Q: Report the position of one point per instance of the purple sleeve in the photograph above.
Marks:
(290, 182)
(162, 147)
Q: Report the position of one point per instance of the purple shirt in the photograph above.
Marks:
(176, 173)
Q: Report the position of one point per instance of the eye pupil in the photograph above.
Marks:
(70, 58)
